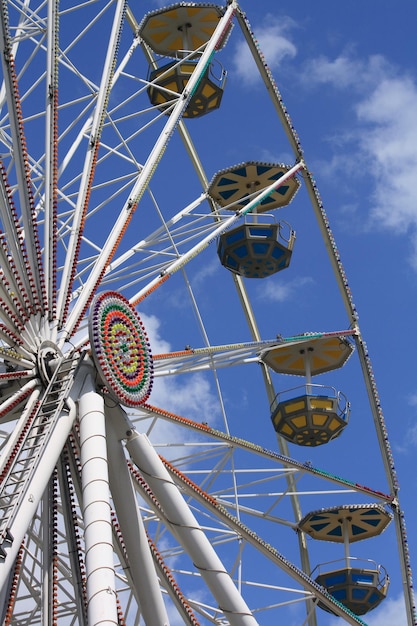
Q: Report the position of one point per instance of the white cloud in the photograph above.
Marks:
(381, 143)
(188, 395)
(152, 327)
(390, 144)
(412, 401)
(275, 44)
(208, 270)
(411, 437)
(278, 291)
(345, 71)
(340, 72)
(409, 440)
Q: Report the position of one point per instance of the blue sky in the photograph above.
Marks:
(348, 76)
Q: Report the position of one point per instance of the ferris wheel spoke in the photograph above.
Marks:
(13, 292)
(171, 509)
(17, 396)
(243, 444)
(160, 235)
(183, 606)
(14, 253)
(51, 159)
(41, 566)
(180, 239)
(70, 485)
(90, 163)
(195, 359)
(45, 426)
(22, 167)
(14, 357)
(184, 526)
(141, 455)
(183, 259)
(123, 220)
(187, 608)
(18, 517)
(260, 544)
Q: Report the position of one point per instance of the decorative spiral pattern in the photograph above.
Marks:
(120, 348)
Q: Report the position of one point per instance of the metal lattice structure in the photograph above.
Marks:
(129, 496)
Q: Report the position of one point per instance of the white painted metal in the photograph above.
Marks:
(141, 566)
(227, 223)
(19, 426)
(47, 580)
(51, 155)
(183, 524)
(35, 280)
(90, 159)
(35, 488)
(101, 587)
(146, 173)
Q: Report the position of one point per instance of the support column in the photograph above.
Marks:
(47, 551)
(99, 559)
(186, 528)
(141, 565)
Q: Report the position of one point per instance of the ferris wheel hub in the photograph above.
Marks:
(120, 349)
(47, 360)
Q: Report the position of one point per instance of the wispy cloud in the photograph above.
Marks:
(388, 114)
(152, 325)
(208, 270)
(409, 440)
(346, 71)
(274, 40)
(382, 139)
(279, 291)
(188, 394)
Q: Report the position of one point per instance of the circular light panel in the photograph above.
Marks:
(120, 349)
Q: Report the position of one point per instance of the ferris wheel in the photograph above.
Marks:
(164, 452)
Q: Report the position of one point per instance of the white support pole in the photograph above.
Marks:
(47, 574)
(99, 561)
(187, 530)
(141, 565)
(51, 156)
(90, 158)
